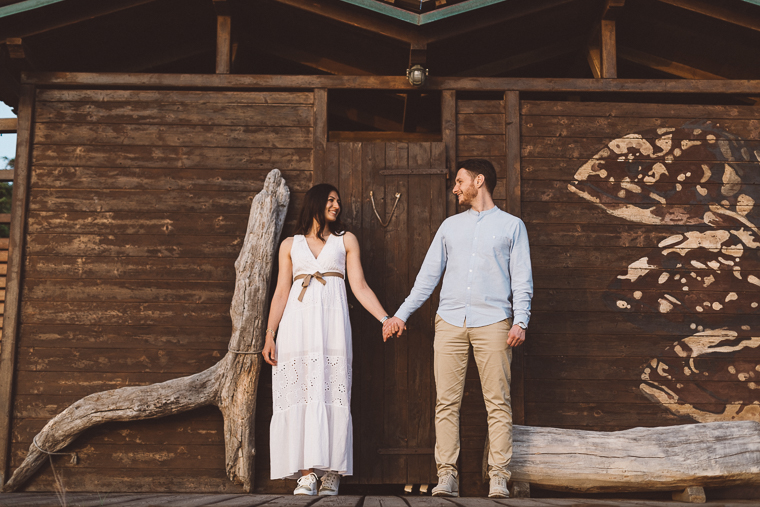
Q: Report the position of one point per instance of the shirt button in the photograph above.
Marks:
(468, 288)
(470, 271)
(473, 255)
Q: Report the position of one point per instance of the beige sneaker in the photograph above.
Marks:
(307, 485)
(498, 487)
(330, 483)
(448, 485)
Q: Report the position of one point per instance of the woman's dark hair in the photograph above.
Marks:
(313, 208)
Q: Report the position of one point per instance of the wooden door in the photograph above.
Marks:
(393, 386)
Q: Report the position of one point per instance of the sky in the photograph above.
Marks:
(7, 141)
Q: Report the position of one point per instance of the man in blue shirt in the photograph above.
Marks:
(484, 257)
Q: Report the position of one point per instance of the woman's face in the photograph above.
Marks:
(332, 210)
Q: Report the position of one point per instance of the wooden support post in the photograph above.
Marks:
(692, 494)
(602, 52)
(608, 52)
(15, 254)
(223, 37)
(417, 56)
(449, 137)
(320, 136)
(608, 57)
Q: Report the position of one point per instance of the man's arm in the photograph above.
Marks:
(426, 282)
(521, 276)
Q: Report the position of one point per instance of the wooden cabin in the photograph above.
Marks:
(625, 134)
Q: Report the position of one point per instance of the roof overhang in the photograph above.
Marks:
(428, 17)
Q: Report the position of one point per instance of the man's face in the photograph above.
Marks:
(466, 189)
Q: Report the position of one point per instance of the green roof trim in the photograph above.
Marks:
(26, 5)
(428, 17)
(753, 2)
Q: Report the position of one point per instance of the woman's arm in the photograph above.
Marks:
(359, 286)
(280, 299)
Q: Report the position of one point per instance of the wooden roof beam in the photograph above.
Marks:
(8, 125)
(612, 9)
(315, 62)
(664, 65)
(47, 24)
(715, 10)
(400, 83)
(356, 19)
(462, 26)
(146, 62)
(524, 59)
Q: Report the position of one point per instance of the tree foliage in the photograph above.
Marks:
(6, 191)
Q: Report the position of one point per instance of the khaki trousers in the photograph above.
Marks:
(493, 357)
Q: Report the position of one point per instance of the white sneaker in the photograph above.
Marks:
(330, 483)
(307, 485)
(448, 485)
(498, 488)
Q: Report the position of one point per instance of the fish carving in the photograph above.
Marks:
(701, 283)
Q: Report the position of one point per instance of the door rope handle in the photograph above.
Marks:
(374, 208)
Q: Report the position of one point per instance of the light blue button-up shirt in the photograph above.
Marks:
(488, 278)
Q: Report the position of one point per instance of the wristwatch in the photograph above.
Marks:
(523, 325)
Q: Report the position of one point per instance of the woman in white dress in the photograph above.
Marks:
(311, 433)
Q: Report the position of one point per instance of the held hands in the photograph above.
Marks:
(393, 326)
(516, 336)
(269, 351)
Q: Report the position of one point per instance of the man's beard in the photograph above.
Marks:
(467, 196)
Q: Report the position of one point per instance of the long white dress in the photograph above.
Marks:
(311, 384)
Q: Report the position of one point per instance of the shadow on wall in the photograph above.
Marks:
(702, 283)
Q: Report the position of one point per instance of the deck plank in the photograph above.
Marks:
(240, 500)
(383, 501)
(246, 500)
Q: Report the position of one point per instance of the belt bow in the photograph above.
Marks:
(316, 276)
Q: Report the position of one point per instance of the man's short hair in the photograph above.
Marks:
(482, 166)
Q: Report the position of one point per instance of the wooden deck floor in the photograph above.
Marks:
(227, 500)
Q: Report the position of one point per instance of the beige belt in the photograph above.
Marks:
(317, 276)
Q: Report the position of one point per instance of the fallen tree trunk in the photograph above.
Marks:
(640, 459)
(230, 384)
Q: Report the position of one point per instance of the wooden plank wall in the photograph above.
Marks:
(137, 207)
(643, 229)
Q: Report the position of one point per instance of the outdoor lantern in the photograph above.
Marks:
(416, 75)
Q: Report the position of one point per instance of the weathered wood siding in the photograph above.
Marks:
(137, 208)
(644, 232)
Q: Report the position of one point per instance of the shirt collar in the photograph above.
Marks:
(482, 214)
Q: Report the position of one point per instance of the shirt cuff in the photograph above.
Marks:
(403, 314)
(521, 317)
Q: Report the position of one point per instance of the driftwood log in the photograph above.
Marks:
(230, 384)
(640, 459)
